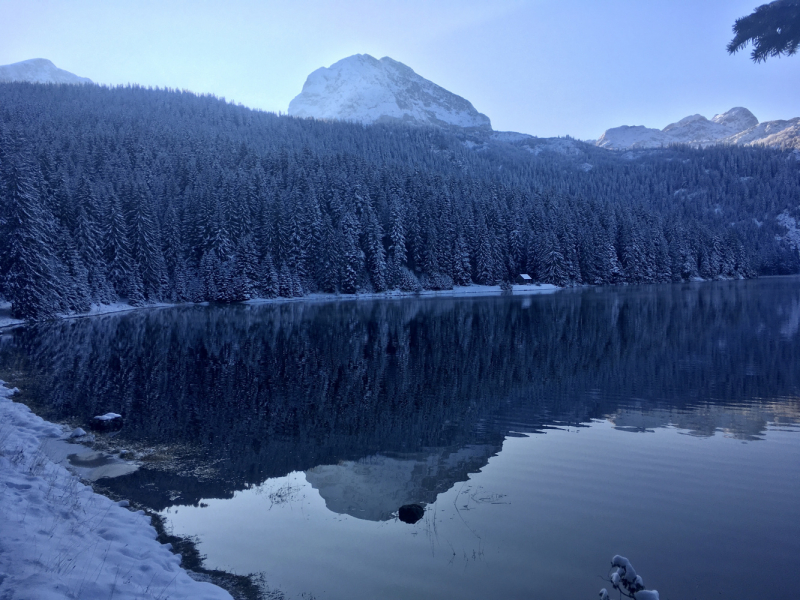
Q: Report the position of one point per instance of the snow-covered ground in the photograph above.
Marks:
(459, 291)
(470, 290)
(61, 540)
(6, 320)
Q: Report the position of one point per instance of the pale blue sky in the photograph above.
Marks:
(545, 67)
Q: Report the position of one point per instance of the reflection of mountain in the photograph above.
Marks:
(251, 392)
(374, 487)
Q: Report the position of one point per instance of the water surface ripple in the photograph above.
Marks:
(542, 435)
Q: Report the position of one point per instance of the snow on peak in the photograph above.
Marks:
(686, 122)
(632, 136)
(38, 70)
(737, 118)
(738, 126)
(363, 89)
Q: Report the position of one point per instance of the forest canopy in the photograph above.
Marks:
(142, 195)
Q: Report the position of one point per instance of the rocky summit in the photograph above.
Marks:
(363, 89)
(738, 126)
(39, 70)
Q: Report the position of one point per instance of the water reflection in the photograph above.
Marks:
(374, 487)
(386, 403)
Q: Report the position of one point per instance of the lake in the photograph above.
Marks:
(541, 434)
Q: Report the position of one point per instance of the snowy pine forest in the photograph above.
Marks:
(140, 195)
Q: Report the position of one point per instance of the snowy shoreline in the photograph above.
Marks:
(62, 540)
(6, 321)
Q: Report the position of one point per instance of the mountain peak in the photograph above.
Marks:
(367, 90)
(738, 118)
(737, 126)
(39, 70)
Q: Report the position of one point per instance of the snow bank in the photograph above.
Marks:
(6, 320)
(61, 540)
(457, 291)
(470, 290)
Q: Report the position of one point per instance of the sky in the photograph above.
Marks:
(543, 67)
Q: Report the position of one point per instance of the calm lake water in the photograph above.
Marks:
(543, 435)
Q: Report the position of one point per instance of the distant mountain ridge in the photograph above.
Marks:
(363, 89)
(738, 126)
(39, 70)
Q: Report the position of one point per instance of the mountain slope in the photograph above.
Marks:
(167, 196)
(738, 127)
(363, 89)
(39, 70)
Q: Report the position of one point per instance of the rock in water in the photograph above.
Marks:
(107, 422)
(363, 89)
(411, 513)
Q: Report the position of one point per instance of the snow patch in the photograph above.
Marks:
(108, 417)
(61, 540)
(457, 291)
(6, 320)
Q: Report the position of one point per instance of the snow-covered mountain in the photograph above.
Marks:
(38, 70)
(364, 89)
(737, 126)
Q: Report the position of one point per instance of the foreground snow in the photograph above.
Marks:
(61, 540)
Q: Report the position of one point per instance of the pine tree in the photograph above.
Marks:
(28, 264)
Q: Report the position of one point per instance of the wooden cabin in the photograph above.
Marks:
(523, 279)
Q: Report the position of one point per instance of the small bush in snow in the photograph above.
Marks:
(437, 282)
(407, 281)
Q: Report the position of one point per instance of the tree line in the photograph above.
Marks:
(141, 195)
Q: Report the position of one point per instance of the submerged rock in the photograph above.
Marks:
(411, 513)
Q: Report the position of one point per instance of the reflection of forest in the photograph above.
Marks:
(745, 422)
(258, 391)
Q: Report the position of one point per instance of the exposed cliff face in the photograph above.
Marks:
(38, 70)
(364, 89)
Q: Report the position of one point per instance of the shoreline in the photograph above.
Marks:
(62, 539)
(472, 291)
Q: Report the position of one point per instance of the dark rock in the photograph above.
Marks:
(411, 513)
(107, 422)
